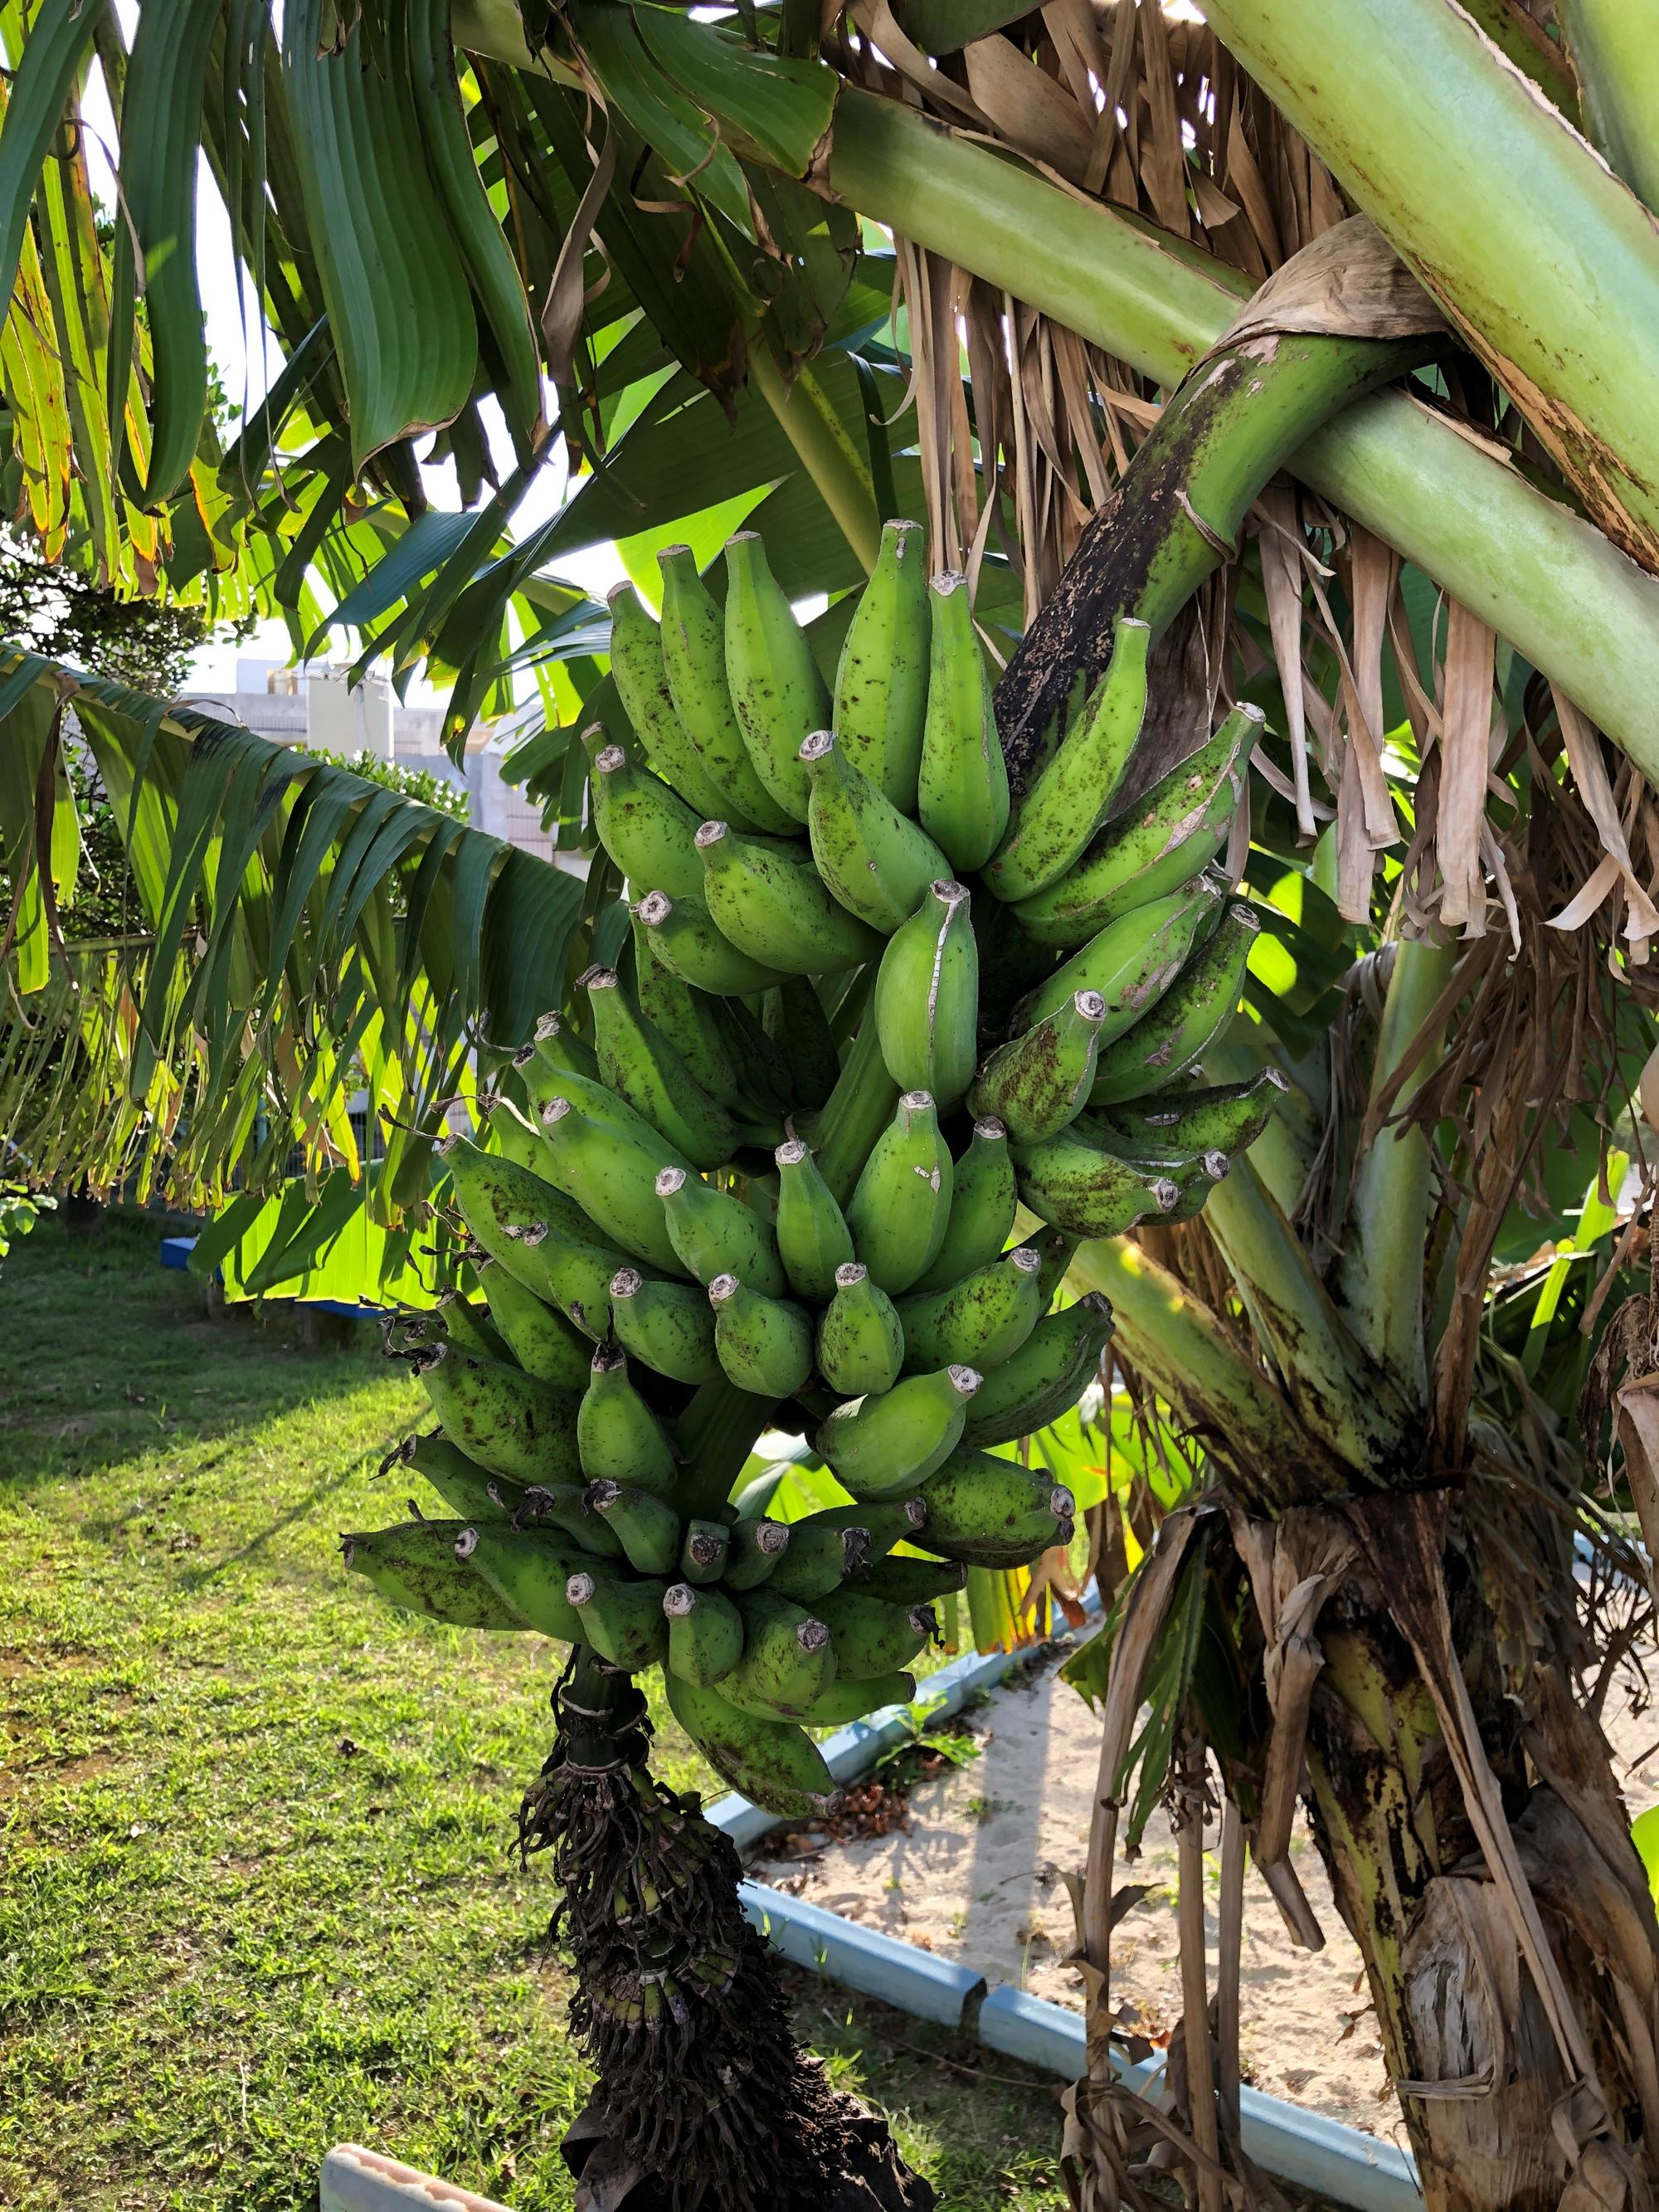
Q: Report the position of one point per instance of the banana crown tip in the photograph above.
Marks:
(994, 1131)
(608, 1359)
(1061, 1503)
(667, 553)
(1097, 1302)
(1164, 1195)
(1026, 1258)
(772, 1537)
(850, 1274)
(924, 1620)
(609, 759)
(466, 1543)
(591, 730)
(669, 1182)
(678, 1600)
(446, 1145)
(790, 1154)
(812, 1635)
(617, 591)
(946, 581)
(1216, 1165)
(627, 1283)
(948, 891)
(581, 1590)
(1246, 916)
(554, 1111)
(525, 1054)
(723, 1287)
(654, 909)
(709, 833)
(816, 744)
(548, 1026)
(599, 1496)
(916, 1102)
(1091, 1004)
(743, 537)
(1275, 1079)
(964, 1380)
(536, 1233)
(598, 978)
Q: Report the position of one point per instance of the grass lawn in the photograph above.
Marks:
(255, 1889)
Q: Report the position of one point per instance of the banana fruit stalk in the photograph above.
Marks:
(804, 954)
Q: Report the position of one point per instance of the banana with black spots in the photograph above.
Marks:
(764, 1344)
(1044, 1379)
(1173, 1035)
(774, 1764)
(787, 1659)
(777, 690)
(881, 681)
(926, 996)
(646, 1526)
(667, 1326)
(705, 1633)
(963, 790)
(901, 1204)
(647, 830)
(870, 1636)
(819, 1559)
(641, 681)
(1132, 963)
(414, 1566)
(619, 1439)
(694, 660)
(544, 1342)
(1086, 1189)
(682, 935)
(877, 862)
(813, 1238)
(501, 1417)
(756, 1546)
(614, 1178)
(978, 1322)
(1174, 1127)
(990, 1512)
(983, 1204)
(622, 1618)
(1040, 1080)
(776, 908)
(860, 1339)
(714, 1234)
(528, 1568)
(881, 1447)
(904, 1579)
(640, 1063)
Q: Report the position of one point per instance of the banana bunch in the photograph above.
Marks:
(776, 1151)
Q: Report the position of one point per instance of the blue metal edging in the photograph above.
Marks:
(863, 1957)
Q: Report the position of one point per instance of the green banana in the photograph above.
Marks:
(777, 690)
(1158, 844)
(1087, 1190)
(1056, 818)
(978, 1322)
(994, 1513)
(1168, 1039)
(512, 1132)
(787, 1656)
(1132, 963)
(861, 1337)
(764, 1344)
(641, 681)
(962, 794)
(1044, 1379)
(475, 1494)
(667, 1326)
(1194, 1180)
(705, 1634)
(501, 1417)
(646, 829)
(774, 1764)
(927, 996)
(714, 1234)
(870, 1636)
(1175, 1127)
(501, 1199)
(881, 683)
(575, 1277)
(849, 1701)
(471, 1326)
(1056, 1250)
(983, 1203)
(818, 1560)
(622, 1620)
(803, 1046)
(880, 1446)
(414, 1566)
(646, 1526)
(775, 908)
(615, 1178)
(903, 1579)
(703, 1555)
(605, 1108)
(539, 1337)
(558, 1046)
(690, 1019)
(881, 1522)
(682, 935)
(902, 1201)
(813, 1238)
(876, 861)
(639, 1063)
(1041, 1081)
(694, 659)
(619, 1437)
(756, 1548)
(528, 1570)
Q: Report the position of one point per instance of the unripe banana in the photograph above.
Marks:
(776, 689)
(510, 1130)
(668, 1326)
(881, 683)
(620, 1438)
(1132, 963)
(528, 1568)
(1044, 1379)
(1056, 1249)
(414, 1566)
(978, 1322)
(983, 1203)
(595, 1099)
(703, 1554)
(861, 1337)
(705, 1634)
(901, 1202)
(1175, 1127)
(963, 795)
(1071, 798)
(501, 1199)
(928, 996)
(641, 681)
(560, 1048)
(575, 1277)
(756, 1547)
(477, 1495)
(850, 1700)
(1169, 1038)
(764, 1344)
(690, 1020)
(646, 831)
(904, 1580)
(875, 859)
(694, 657)
(1158, 844)
(818, 1560)
(1194, 1180)
(787, 1659)
(776, 910)
(798, 1030)
(471, 1327)
(813, 1238)
(714, 1234)
(881, 1522)
(994, 1513)
(774, 1764)
(501, 1417)
(639, 1063)
(614, 1178)
(870, 1636)
(646, 1526)
(537, 1336)
(1041, 1081)
(881, 1446)
(685, 938)
(621, 1619)
(1074, 1181)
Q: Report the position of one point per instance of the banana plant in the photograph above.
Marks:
(1201, 445)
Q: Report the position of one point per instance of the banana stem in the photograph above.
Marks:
(860, 1108)
(823, 449)
(716, 1433)
(1614, 45)
(1379, 1276)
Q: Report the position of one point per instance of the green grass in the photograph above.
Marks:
(257, 1893)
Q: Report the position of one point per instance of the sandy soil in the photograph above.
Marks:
(978, 1877)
